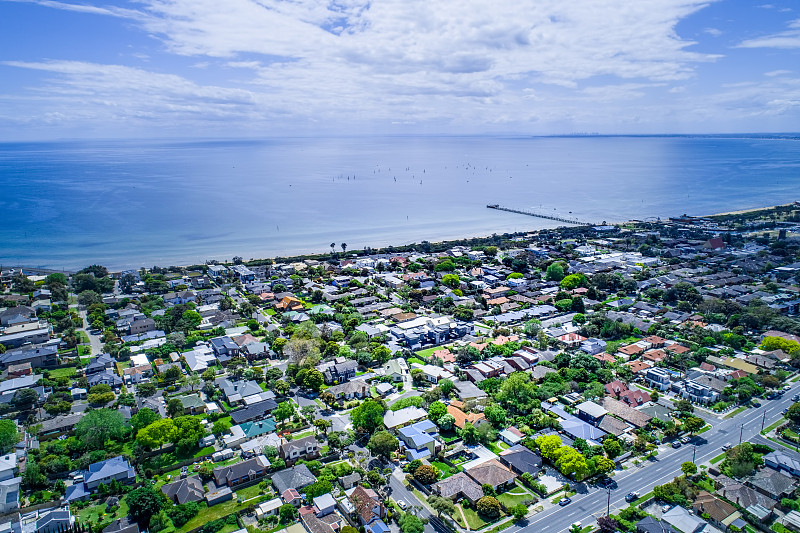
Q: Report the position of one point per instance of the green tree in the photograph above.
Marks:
(555, 272)
(25, 399)
(573, 281)
(284, 411)
(495, 414)
(519, 511)
(287, 512)
(143, 418)
(446, 421)
(451, 280)
(221, 427)
(143, 503)
(157, 434)
(426, 474)
(382, 443)
(436, 410)
(174, 407)
(9, 435)
(98, 426)
(793, 413)
(488, 506)
(145, 389)
(368, 416)
(446, 386)
(688, 468)
(381, 354)
(613, 448)
(410, 523)
(693, 423)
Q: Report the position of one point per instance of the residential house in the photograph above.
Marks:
(350, 389)
(396, 368)
(651, 524)
(521, 459)
(242, 472)
(224, 348)
(621, 410)
(338, 372)
(253, 411)
(38, 356)
(593, 346)
(292, 497)
(511, 436)
(116, 468)
(459, 486)
(9, 483)
(99, 364)
(476, 419)
(615, 388)
(658, 378)
(189, 489)
(492, 473)
(635, 397)
(192, 404)
(419, 440)
(590, 412)
(719, 512)
(772, 483)
(782, 462)
(306, 448)
(403, 417)
(368, 505)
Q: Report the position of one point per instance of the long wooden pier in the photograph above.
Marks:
(539, 215)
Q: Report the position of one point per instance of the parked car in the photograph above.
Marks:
(772, 395)
(401, 504)
(184, 471)
(785, 411)
(564, 501)
(632, 496)
(576, 525)
(787, 387)
(755, 403)
(685, 440)
(796, 398)
(665, 508)
(676, 444)
(726, 447)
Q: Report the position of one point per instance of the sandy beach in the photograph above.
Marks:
(751, 210)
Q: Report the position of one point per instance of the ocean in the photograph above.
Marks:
(142, 203)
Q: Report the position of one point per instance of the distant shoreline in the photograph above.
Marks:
(751, 210)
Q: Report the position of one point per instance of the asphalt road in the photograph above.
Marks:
(591, 502)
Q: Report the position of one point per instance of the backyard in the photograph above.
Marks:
(445, 469)
(514, 496)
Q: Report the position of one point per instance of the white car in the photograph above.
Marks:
(576, 524)
(401, 504)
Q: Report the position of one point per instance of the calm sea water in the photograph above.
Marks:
(135, 203)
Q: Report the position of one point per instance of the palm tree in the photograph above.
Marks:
(333, 246)
(344, 247)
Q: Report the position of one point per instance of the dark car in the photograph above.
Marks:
(564, 501)
(772, 396)
(796, 398)
(632, 496)
(607, 482)
(676, 444)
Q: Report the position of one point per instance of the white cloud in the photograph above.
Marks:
(774, 73)
(714, 32)
(785, 39)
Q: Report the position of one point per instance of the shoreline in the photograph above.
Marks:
(397, 248)
(750, 210)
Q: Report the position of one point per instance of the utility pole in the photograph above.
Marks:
(741, 431)
(763, 420)
(608, 507)
(694, 452)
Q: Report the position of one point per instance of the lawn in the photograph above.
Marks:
(474, 520)
(772, 426)
(427, 352)
(67, 372)
(448, 436)
(97, 513)
(221, 510)
(511, 499)
(643, 499)
(494, 447)
(717, 459)
(736, 412)
(445, 469)
(302, 434)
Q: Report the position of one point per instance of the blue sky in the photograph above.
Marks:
(253, 68)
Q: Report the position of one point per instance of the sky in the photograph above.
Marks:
(260, 68)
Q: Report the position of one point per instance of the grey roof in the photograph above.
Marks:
(650, 524)
(253, 411)
(296, 477)
(185, 490)
(457, 484)
(521, 459)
